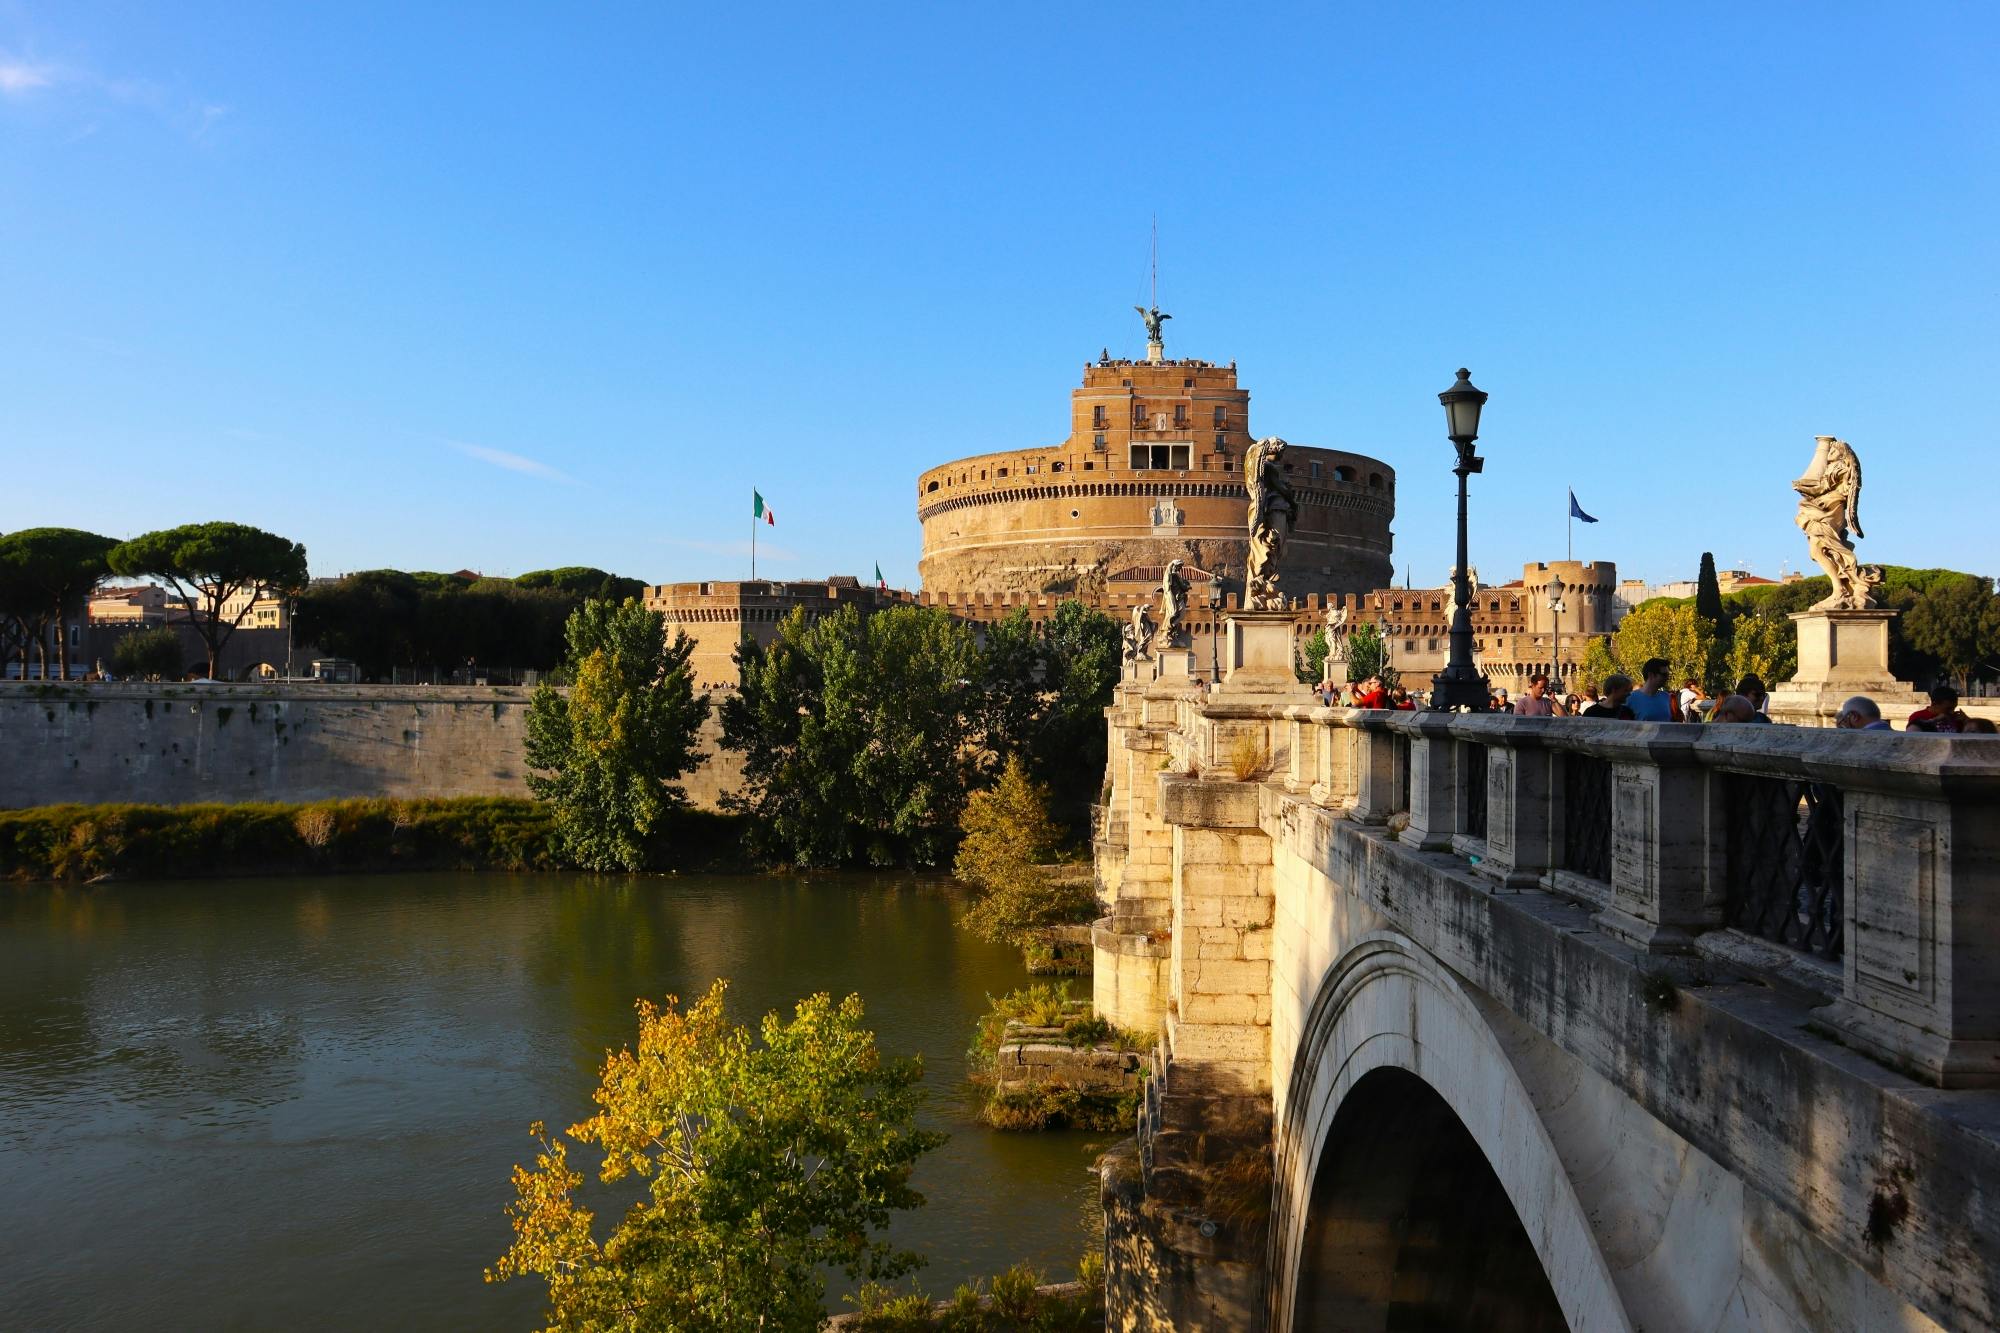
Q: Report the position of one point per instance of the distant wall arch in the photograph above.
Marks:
(1386, 1007)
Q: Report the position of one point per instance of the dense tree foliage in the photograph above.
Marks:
(766, 1160)
(1008, 840)
(43, 572)
(858, 736)
(1368, 655)
(149, 654)
(205, 565)
(385, 619)
(1937, 632)
(1956, 621)
(606, 757)
(1675, 632)
(862, 736)
(1311, 669)
(582, 582)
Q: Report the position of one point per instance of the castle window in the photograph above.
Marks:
(1188, 383)
(1055, 467)
(1128, 384)
(1089, 466)
(1221, 441)
(1409, 645)
(1221, 415)
(1097, 417)
(1343, 474)
(1315, 471)
(1096, 442)
(1180, 414)
(982, 474)
(1375, 480)
(931, 487)
(1074, 514)
(1396, 605)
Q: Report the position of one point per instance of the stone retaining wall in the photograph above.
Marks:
(176, 744)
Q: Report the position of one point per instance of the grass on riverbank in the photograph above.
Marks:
(75, 843)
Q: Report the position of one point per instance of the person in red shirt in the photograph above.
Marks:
(1399, 699)
(1942, 715)
(1371, 695)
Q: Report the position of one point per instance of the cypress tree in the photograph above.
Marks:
(1708, 591)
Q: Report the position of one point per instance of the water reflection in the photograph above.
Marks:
(255, 1103)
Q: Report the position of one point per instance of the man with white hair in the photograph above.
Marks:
(1861, 713)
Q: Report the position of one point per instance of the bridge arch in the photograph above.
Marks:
(1399, 1089)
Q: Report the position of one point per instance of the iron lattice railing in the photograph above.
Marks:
(1785, 874)
(1472, 766)
(1587, 816)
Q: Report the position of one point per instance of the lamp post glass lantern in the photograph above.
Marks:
(1556, 591)
(1460, 685)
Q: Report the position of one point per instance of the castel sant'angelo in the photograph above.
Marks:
(1150, 472)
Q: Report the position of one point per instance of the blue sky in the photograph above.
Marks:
(509, 286)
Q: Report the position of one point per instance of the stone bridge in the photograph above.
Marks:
(1482, 1022)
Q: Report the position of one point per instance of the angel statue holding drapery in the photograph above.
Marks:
(1138, 635)
(1273, 510)
(1336, 632)
(1173, 605)
(1829, 506)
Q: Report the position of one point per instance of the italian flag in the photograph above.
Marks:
(880, 582)
(758, 509)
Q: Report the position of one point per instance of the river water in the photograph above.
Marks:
(295, 1103)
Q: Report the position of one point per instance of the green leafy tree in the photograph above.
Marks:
(766, 1160)
(858, 736)
(1955, 620)
(149, 654)
(582, 582)
(207, 564)
(1312, 668)
(370, 617)
(1598, 663)
(1368, 655)
(45, 572)
(1764, 646)
(607, 756)
(1011, 690)
(1674, 632)
(1081, 654)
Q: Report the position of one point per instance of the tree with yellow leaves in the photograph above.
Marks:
(765, 1160)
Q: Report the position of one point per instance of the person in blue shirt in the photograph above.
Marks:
(1653, 701)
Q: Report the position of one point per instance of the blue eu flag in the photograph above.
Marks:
(1576, 510)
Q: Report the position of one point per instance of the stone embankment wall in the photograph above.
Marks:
(174, 744)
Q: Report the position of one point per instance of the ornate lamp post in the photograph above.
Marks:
(1460, 685)
(1556, 591)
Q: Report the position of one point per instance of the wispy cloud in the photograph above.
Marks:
(500, 458)
(20, 77)
(90, 92)
(765, 550)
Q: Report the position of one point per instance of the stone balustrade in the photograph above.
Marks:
(1871, 860)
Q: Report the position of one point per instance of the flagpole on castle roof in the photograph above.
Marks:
(753, 534)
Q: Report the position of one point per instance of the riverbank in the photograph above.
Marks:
(80, 843)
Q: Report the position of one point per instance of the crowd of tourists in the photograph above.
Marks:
(1652, 699)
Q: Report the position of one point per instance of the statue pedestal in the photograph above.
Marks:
(1173, 666)
(1258, 655)
(1841, 654)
